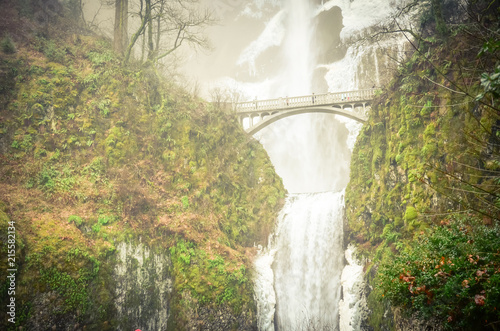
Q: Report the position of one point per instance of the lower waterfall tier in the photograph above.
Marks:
(308, 259)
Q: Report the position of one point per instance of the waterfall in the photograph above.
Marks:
(298, 275)
(302, 281)
(307, 270)
(298, 58)
(304, 261)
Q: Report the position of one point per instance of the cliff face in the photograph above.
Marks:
(133, 203)
(427, 160)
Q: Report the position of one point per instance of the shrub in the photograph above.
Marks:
(103, 220)
(7, 45)
(75, 219)
(54, 53)
(451, 273)
(389, 234)
(185, 202)
(120, 146)
(410, 213)
(99, 59)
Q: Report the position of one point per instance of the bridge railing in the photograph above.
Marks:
(305, 101)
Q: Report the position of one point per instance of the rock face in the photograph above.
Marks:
(353, 306)
(47, 314)
(142, 281)
(220, 319)
(414, 324)
(327, 38)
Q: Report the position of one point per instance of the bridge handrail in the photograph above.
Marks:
(306, 100)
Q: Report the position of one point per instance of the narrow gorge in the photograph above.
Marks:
(132, 198)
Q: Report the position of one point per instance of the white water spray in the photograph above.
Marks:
(301, 263)
(299, 59)
(307, 269)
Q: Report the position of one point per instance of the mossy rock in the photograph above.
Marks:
(120, 145)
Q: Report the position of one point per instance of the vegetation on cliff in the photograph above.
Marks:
(94, 153)
(423, 201)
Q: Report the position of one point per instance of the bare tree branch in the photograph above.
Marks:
(170, 24)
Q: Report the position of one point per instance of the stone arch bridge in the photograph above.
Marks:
(261, 113)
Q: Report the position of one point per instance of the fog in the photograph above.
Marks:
(268, 49)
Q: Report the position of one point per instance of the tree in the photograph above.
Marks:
(441, 27)
(166, 25)
(121, 25)
(224, 97)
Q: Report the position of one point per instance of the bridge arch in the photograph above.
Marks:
(309, 110)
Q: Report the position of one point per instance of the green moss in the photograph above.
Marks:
(89, 138)
(437, 159)
(430, 130)
(75, 219)
(7, 45)
(119, 145)
(210, 280)
(430, 149)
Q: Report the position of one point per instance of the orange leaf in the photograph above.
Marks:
(479, 299)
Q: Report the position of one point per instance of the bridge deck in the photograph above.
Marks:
(312, 100)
